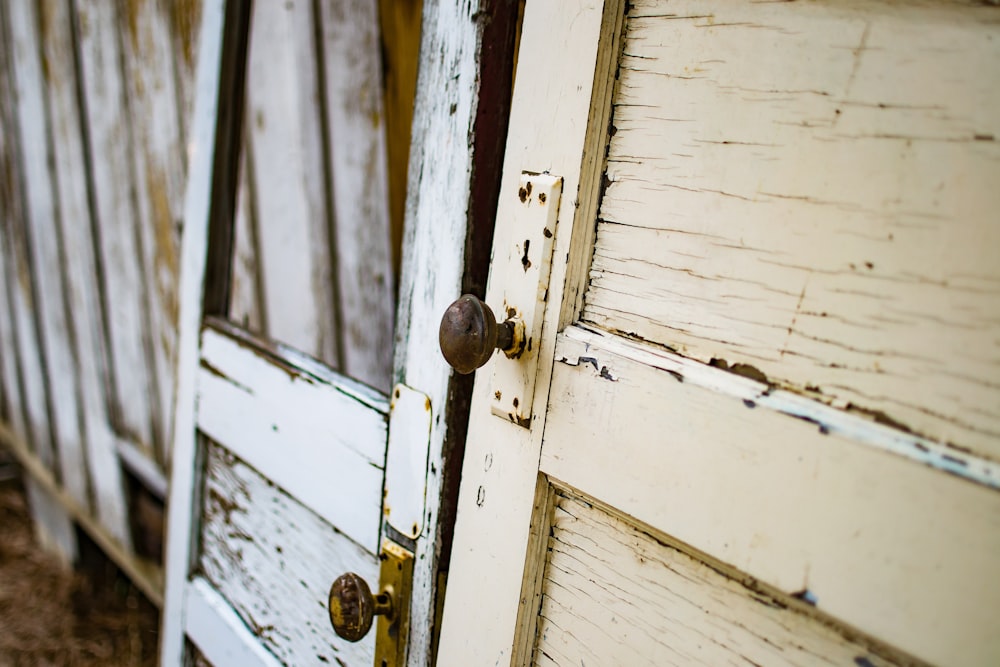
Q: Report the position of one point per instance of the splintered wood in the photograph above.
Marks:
(811, 189)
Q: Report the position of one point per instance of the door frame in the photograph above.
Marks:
(458, 133)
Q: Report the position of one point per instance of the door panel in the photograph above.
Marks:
(765, 374)
(320, 434)
(830, 224)
(273, 559)
(589, 612)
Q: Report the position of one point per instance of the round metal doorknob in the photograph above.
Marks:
(353, 607)
(469, 333)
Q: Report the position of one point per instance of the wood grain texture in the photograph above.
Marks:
(79, 269)
(613, 594)
(247, 307)
(313, 235)
(899, 550)
(358, 186)
(322, 440)
(811, 189)
(274, 561)
(120, 255)
(157, 164)
(42, 240)
(25, 367)
(293, 230)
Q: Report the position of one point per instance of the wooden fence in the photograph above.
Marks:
(96, 103)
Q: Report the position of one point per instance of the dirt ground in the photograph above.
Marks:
(52, 617)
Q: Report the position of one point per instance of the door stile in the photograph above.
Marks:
(501, 458)
(210, 190)
(459, 128)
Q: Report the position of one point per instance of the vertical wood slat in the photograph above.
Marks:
(52, 523)
(42, 238)
(12, 398)
(158, 173)
(117, 233)
(283, 130)
(246, 304)
(350, 60)
(83, 297)
(314, 213)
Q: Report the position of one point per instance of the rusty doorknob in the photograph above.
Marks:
(469, 333)
(352, 606)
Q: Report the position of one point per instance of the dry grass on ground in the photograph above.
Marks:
(49, 617)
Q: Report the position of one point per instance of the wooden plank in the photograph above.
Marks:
(210, 83)
(132, 376)
(273, 560)
(246, 303)
(496, 499)
(793, 505)
(355, 120)
(850, 255)
(42, 241)
(13, 402)
(157, 164)
(614, 594)
(283, 123)
(81, 283)
(322, 441)
(218, 632)
(52, 524)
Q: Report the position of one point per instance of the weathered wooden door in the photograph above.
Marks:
(286, 378)
(765, 425)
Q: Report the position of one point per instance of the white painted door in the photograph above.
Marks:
(766, 416)
(280, 491)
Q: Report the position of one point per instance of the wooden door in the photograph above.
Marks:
(766, 416)
(287, 376)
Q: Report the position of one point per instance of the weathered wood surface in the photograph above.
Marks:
(832, 224)
(43, 245)
(124, 293)
(93, 128)
(614, 594)
(500, 469)
(274, 561)
(79, 270)
(157, 170)
(211, 82)
(357, 186)
(27, 397)
(448, 158)
(313, 262)
(897, 549)
(702, 455)
(219, 632)
(321, 440)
